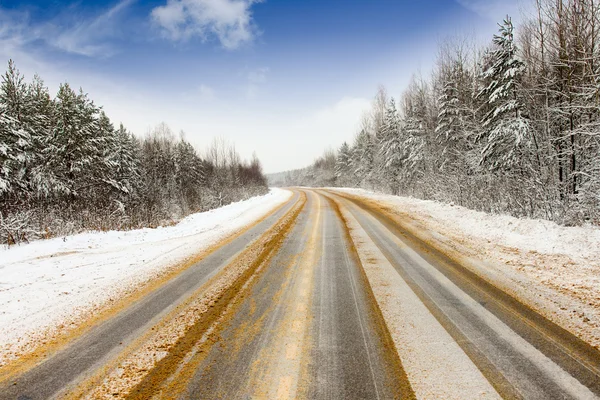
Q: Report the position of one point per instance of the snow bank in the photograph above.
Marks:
(553, 268)
(53, 283)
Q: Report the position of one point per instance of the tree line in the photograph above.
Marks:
(510, 128)
(64, 167)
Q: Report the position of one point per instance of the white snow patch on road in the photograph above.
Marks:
(56, 283)
(555, 269)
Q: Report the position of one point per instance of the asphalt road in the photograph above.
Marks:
(89, 352)
(306, 324)
(309, 328)
(520, 352)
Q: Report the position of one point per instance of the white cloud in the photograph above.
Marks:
(12, 34)
(230, 21)
(88, 37)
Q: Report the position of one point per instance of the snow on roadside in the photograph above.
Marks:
(554, 269)
(49, 284)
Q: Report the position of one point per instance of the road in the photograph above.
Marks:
(302, 321)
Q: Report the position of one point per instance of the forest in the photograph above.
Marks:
(512, 127)
(65, 168)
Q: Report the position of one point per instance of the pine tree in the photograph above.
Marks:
(14, 146)
(457, 119)
(392, 151)
(342, 164)
(12, 92)
(450, 116)
(106, 166)
(126, 159)
(15, 140)
(506, 132)
(362, 156)
(76, 151)
(189, 173)
(415, 130)
(39, 121)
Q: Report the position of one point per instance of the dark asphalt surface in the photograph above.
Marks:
(521, 353)
(350, 357)
(344, 355)
(104, 341)
(225, 372)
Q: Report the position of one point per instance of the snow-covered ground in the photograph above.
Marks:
(554, 269)
(56, 283)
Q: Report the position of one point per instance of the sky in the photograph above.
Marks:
(282, 78)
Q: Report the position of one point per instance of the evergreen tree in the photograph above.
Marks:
(414, 132)
(126, 159)
(15, 140)
(76, 151)
(343, 163)
(14, 146)
(39, 121)
(362, 156)
(189, 173)
(392, 150)
(12, 92)
(63, 163)
(506, 132)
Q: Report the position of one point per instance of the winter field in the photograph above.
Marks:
(552, 268)
(52, 285)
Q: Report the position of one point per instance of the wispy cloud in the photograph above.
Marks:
(230, 21)
(89, 36)
(12, 32)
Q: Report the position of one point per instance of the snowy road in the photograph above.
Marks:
(327, 297)
(522, 354)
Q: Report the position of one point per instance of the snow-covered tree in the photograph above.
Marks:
(39, 121)
(75, 146)
(506, 131)
(415, 110)
(64, 167)
(189, 174)
(15, 139)
(343, 165)
(14, 146)
(392, 150)
(363, 152)
(13, 91)
(126, 159)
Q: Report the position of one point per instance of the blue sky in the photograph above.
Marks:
(284, 78)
